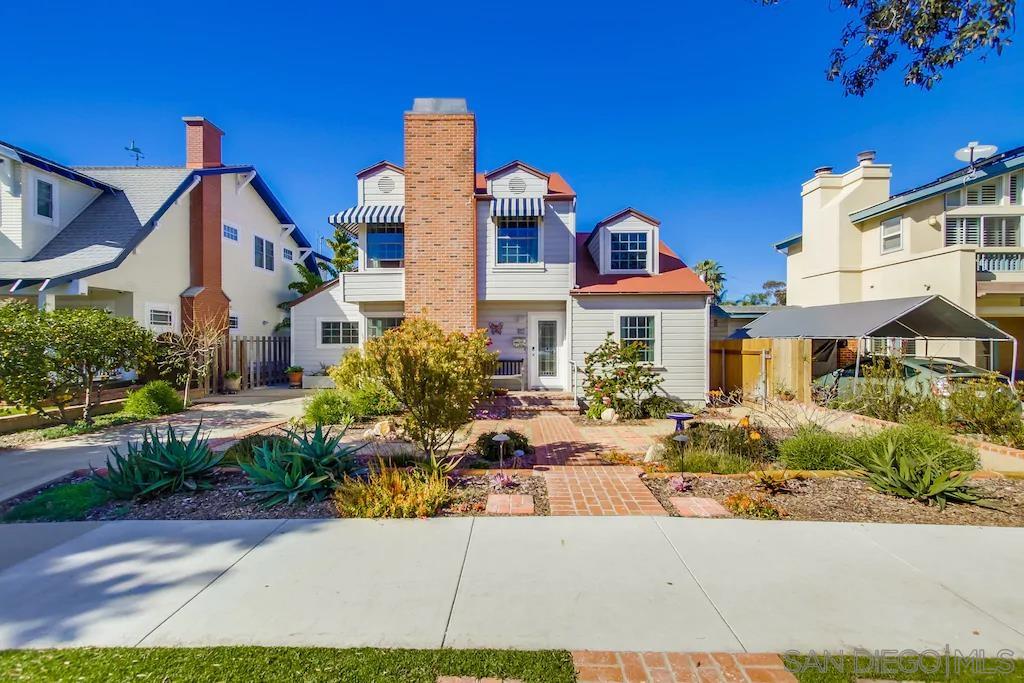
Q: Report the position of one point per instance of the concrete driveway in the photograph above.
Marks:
(35, 464)
(614, 583)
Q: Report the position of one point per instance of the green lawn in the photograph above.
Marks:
(168, 665)
(64, 503)
(910, 669)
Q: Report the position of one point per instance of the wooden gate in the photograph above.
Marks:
(761, 367)
(261, 361)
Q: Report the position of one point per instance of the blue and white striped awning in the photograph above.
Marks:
(517, 206)
(377, 213)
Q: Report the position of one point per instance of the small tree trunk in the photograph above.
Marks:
(188, 381)
(87, 407)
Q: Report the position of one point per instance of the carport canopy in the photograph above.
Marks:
(927, 317)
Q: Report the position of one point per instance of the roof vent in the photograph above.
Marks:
(516, 185)
(823, 170)
(866, 157)
(386, 184)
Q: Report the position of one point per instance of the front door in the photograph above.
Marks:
(547, 350)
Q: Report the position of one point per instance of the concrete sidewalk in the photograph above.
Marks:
(38, 463)
(613, 583)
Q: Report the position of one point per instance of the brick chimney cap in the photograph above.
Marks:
(202, 120)
(440, 105)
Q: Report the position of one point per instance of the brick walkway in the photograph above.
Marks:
(675, 667)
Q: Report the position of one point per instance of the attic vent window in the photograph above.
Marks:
(386, 184)
(517, 186)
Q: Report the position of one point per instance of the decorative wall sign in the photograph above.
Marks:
(495, 327)
(519, 342)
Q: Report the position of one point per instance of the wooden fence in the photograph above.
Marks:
(761, 367)
(261, 361)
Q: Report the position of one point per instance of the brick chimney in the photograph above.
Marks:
(204, 299)
(440, 213)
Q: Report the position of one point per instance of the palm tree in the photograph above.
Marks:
(310, 280)
(711, 273)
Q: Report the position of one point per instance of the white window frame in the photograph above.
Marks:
(288, 254)
(34, 180)
(238, 233)
(238, 322)
(375, 316)
(656, 362)
(319, 333)
(252, 254)
(898, 221)
(606, 250)
(160, 329)
(364, 254)
(492, 225)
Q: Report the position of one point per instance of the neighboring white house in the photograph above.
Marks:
(515, 266)
(152, 243)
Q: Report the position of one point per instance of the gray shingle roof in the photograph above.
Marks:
(112, 224)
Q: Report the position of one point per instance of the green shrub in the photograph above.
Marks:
(703, 460)
(152, 400)
(244, 449)
(393, 493)
(155, 466)
(370, 399)
(328, 406)
(659, 406)
(883, 393)
(909, 471)
(64, 503)
(813, 448)
(622, 373)
(748, 439)
(490, 450)
(985, 406)
(932, 441)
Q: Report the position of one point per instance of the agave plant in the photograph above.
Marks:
(279, 474)
(914, 474)
(442, 466)
(324, 454)
(154, 466)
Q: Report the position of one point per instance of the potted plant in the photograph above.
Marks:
(232, 382)
(294, 373)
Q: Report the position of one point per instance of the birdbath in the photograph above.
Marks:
(500, 439)
(680, 419)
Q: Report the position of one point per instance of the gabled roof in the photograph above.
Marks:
(628, 211)
(313, 292)
(27, 157)
(558, 188)
(106, 231)
(519, 164)
(675, 277)
(983, 170)
(382, 163)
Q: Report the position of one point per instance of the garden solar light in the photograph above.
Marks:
(500, 439)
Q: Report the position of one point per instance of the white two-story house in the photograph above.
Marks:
(958, 235)
(153, 243)
(500, 251)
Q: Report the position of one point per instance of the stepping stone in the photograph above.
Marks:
(506, 504)
(691, 506)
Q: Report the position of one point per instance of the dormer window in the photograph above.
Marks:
(518, 239)
(385, 245)
(628, 251)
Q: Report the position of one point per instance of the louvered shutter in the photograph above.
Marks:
(973, 196)
(971, 230)
(989, 193)
(1015, 189)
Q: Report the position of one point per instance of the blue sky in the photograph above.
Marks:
(707, 120)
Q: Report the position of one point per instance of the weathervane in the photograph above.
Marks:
(133, 149)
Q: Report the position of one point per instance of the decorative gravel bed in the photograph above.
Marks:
(843, 499)
(471, 495)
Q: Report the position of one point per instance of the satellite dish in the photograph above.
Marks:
(975, 152)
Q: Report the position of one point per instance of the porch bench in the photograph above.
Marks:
(510, 368)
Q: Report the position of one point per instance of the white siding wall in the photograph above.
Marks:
(683, 335)
(550, 280)
(370, 191)
(306, 333)
(381, 284)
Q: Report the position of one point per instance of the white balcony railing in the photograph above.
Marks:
(1000, 261)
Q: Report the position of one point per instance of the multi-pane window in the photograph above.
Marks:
(232, 321)
(628, 251)
(44, 199)
(518, 239)
(231, 233)
(287, 255)
(385, 245)
(987, 231)
(638, 329)
(892, 234)
(339, 332)
(376, 327)
(159, 317)
(264, 253)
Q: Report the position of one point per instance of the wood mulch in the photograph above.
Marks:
(844, 499)
(471, 495)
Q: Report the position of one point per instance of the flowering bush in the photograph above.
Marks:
(617, 375)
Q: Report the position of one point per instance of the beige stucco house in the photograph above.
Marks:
(958, 236)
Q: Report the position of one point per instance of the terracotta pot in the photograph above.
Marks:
(294, 379)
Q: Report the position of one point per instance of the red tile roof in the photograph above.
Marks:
(675, 277)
